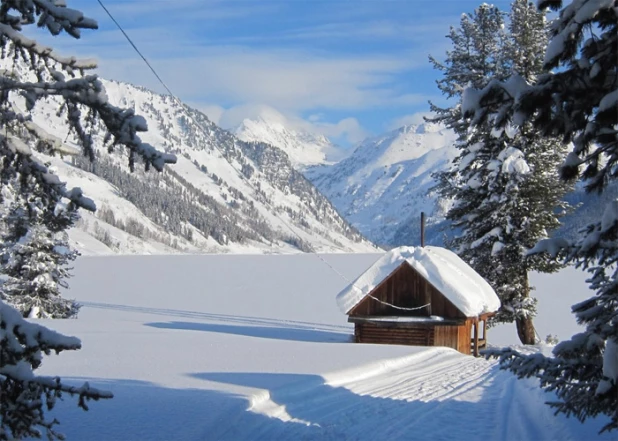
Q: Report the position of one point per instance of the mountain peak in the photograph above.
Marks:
(421, 129)
(387, 180)
(304, 148)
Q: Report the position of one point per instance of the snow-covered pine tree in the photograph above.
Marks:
(504, 198)
(476, 55)
(530, 188)
(24, 395)
(579, 102)
(35, 262)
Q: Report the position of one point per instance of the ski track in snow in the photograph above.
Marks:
(430, 396)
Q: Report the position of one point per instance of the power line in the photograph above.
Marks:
(152, 69)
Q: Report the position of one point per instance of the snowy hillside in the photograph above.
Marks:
(223, 195)
(303, 147)
(239, 348)
(384, 185)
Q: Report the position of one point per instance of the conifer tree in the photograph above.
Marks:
(29, 183)
(35, 262)
(577, 101)
(504, 198)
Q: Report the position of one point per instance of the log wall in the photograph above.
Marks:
(418, 336)
(450, 336)
(447, 336)
(464, 342)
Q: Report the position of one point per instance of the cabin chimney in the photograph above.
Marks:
(422, 228)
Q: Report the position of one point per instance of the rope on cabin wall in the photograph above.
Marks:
(398, 307)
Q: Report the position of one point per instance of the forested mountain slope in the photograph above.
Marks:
(223, 195)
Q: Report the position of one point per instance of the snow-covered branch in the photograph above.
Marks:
(53, 15)
(122, 124)
(22, 345)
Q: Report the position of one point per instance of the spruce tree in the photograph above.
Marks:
(35, 263)
(31, 185)
(578, 101)
(531, 192)
(504, 199)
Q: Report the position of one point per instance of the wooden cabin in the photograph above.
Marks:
(423, 296)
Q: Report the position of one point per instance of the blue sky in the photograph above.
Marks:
(345, 68)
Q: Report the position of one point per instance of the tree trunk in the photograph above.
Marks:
(525, 330)
(525, 327)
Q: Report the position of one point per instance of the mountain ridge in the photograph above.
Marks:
(223, 195)
(386, 182)
(304, 148)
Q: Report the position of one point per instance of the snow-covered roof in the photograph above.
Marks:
(450, 275)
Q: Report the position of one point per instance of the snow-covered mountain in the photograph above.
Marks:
(303, 147)
(383, 186)
(223, 195)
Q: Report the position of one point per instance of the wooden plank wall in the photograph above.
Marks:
(464, 339)
(447, 336)
(405, 287)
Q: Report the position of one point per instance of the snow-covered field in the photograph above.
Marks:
(238, 347)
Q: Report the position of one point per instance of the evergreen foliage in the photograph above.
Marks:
(578, 101)
(174, 203)
(37, 207)
(505, 192)
(35, 250)
(26, 396)
(35, 266)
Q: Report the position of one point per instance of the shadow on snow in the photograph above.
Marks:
(303, 407)
(245, 320)
(278, 333)
(315, 411)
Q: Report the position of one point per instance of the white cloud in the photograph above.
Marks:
(233, 116)
(291, 80)
(212, 111)
(370, 29)
(140, 13)
(346, 131)
(415, 118)
(296, 78)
